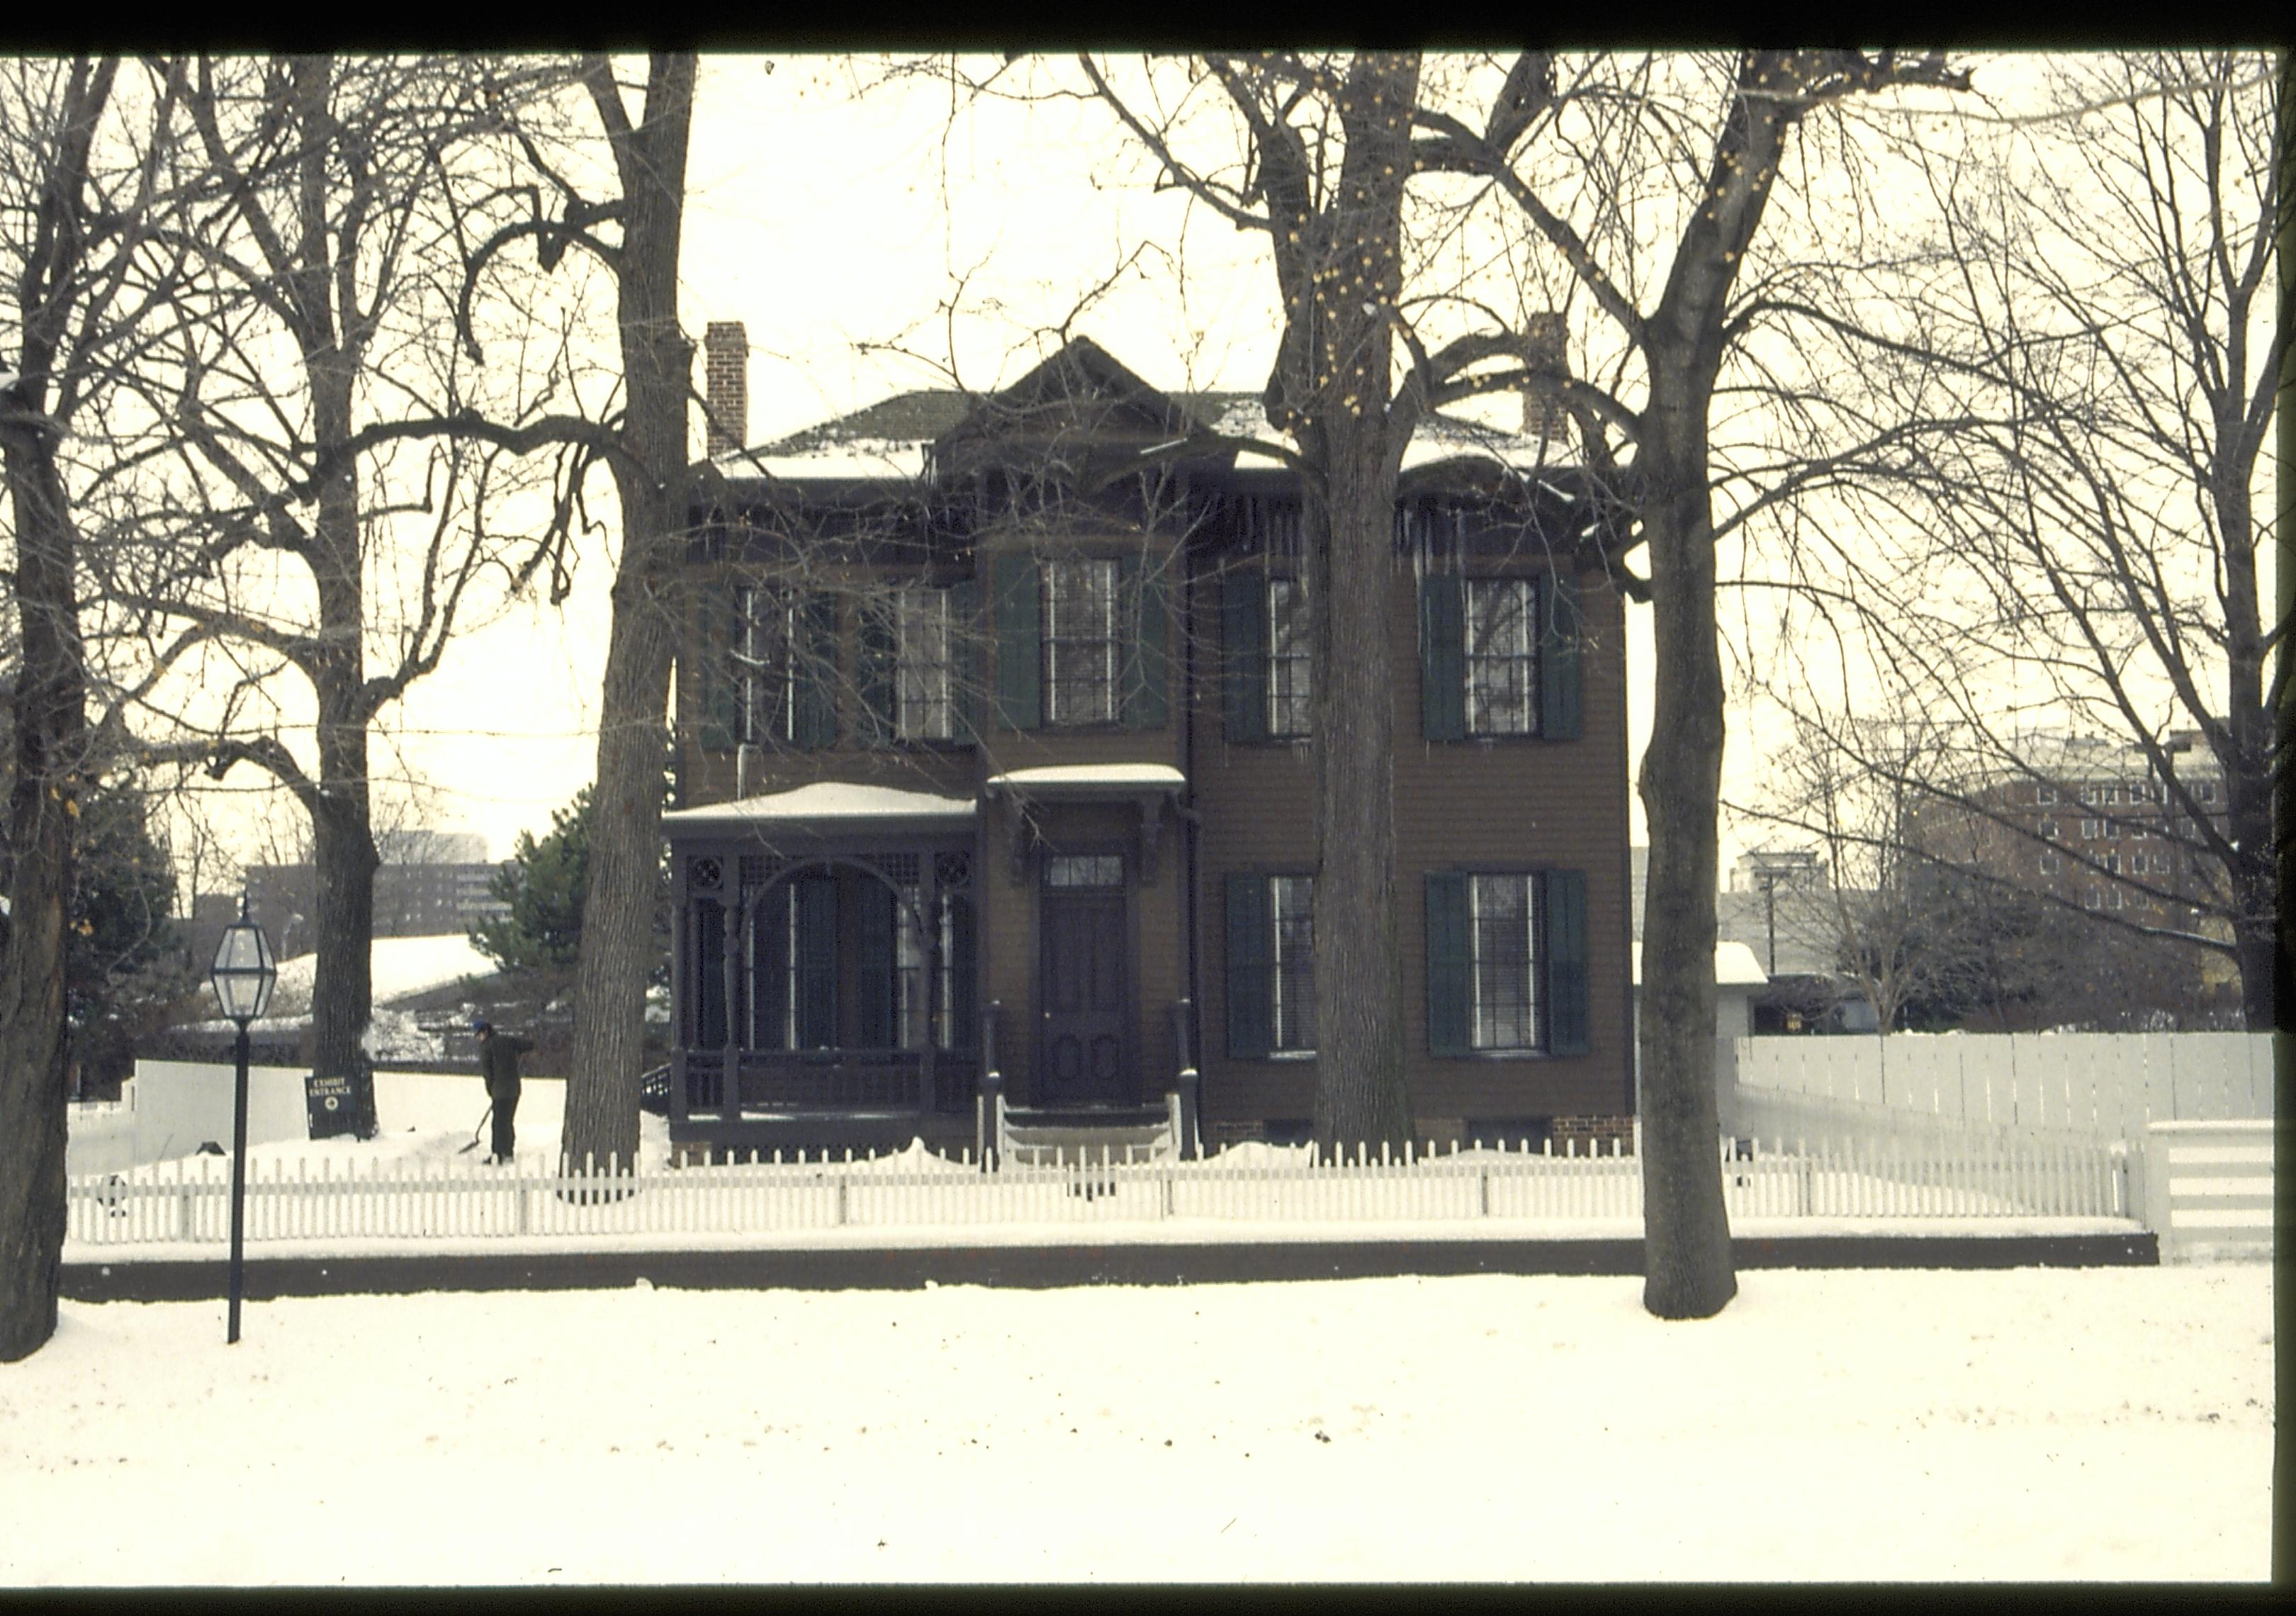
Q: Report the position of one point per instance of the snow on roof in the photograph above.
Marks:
(1735, 966)
(827, 800)
(865, 458)
(1088, 775)
(403, 967)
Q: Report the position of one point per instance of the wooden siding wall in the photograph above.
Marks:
(1477, 804)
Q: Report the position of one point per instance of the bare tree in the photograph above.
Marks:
(293, 566)
(2092, 293)
(86, 185)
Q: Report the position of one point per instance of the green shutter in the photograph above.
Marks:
(769, 947)
(1558, 658)
(1442, 657)
(967, 658)
(876, 657)
(813, 664)
(1566, 962)
(817, 948)
(876, 996)
(1449, 964)
(715, 684)
(1243, 657)
(1020, 656)
(1140, 594)
(1249, 958)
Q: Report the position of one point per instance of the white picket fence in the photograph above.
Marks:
(461, 1197)
(2106, 1085)
(2206, 1188)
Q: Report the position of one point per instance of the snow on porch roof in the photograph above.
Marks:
(1089, 779)
(823, 800)
(1735, 966)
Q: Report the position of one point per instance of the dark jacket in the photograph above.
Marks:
(498, 1053)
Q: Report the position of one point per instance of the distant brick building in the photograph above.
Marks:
(411, 900)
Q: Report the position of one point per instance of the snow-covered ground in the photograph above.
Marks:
(2033, 1424)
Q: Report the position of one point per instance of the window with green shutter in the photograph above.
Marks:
(1565, 903)
(1142, 593)
(1499, 656)
(1020, 671)
(1442, 657)
(813, 673)
(1559, 657)
(1250, 955)
(717, 683)
(1506, 961)
(1243, 657)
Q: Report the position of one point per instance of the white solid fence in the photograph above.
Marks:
(2206, 1188)
(458, 1197)
(2107, 1085)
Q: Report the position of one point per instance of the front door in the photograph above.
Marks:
(1086, 995)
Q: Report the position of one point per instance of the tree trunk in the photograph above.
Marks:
(617, 941)
(1688, 1272)
(51, 720)
(1361, 1096)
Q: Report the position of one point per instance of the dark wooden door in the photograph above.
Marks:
(1086, 1000)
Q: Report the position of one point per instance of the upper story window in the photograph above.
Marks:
(1502, 660)
(1267, 689)
(1499, 656)
(923, 677)
(769, 671)
(1081, 642)
(1289, 709)
(2044, 795)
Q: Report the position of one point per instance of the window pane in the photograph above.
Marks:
(1288, 689)
(1502, 669)
(1085, 870)
(1081, 645)
(1291, 905)
(925, 710)
(1501, 934)
(762, 636)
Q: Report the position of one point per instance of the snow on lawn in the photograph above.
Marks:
(1853, 1424)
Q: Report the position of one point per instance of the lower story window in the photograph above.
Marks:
(1271, 965)
(1504, 937)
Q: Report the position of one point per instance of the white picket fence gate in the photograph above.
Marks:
(460, 1197)
(2107, 1085)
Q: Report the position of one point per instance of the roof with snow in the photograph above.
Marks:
(1089, 779)
(1735, 966)
(1082, 391)
(824, 800)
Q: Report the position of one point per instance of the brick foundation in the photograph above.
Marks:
(1603, 1134)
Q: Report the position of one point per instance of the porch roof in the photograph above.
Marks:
(1079, 782)
(826, 805)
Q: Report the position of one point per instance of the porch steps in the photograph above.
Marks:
(1060, 1138)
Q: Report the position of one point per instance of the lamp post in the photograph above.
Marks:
(243, 974)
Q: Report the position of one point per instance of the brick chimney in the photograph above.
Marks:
(1549, 361)
(726, 384)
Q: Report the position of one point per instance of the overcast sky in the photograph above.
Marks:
(840, 226)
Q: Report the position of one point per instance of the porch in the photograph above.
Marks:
(823, 970)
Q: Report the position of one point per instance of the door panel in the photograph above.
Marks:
(1087, 1001)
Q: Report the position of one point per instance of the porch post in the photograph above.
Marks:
(929, 925)
(730, 1104)
(680, 1007)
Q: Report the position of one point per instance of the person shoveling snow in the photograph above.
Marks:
(498, 1053)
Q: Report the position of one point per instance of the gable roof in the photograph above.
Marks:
(1084, 390)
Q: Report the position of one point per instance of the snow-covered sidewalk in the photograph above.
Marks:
(2030, 1424)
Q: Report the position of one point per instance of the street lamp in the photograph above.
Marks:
(243, 973)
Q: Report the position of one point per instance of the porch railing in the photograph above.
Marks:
(831, 1081)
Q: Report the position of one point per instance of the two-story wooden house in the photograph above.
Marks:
(993, 759)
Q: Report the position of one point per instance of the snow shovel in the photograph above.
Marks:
(477, 1131)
